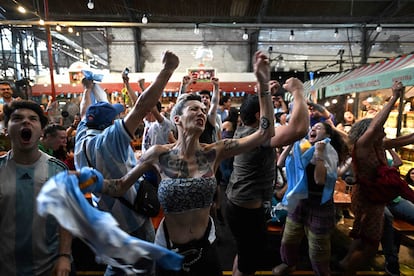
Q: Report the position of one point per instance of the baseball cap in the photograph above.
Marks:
(101, 114)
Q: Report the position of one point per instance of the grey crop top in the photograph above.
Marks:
(183, 194)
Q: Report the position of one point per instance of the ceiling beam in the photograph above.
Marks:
(30, 23)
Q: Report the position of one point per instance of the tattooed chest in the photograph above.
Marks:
(174, 166)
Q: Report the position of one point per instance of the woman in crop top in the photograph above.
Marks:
(187, 170)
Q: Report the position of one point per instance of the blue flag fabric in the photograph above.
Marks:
(62, 198)
(89, 75)
(296, 164)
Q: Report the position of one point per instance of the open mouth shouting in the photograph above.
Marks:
(26, 135)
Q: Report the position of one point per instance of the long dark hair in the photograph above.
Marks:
(337, 142)
(233, 117)
(408, 178)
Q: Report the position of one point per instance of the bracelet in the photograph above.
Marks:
(69, 256)
(264, 94)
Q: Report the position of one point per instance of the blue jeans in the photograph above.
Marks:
(390, 241)
(145, 232)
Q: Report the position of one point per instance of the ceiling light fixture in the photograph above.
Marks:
(144, 19)
(379, 28)
(292, 35)
(245, 35)
(336, 33)
(91, 5)
(196, 29)
(21, 9)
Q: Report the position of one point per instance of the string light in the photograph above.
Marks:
(21, 9)
(379, 28)
(144, 19)
(58, 28)
(245, 35)
(196, 29)
(336, 33)
(90, 5)
(292, 35)
(70, 30)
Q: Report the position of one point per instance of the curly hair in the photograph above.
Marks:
(358, 129)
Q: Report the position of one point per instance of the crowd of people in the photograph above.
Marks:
(198, 152)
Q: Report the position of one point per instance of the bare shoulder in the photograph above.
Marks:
(153, 153)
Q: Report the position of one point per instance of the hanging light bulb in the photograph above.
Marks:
(21, 9)
(90, 5)
(58, 28)
(70, 30)
(245, 35)
(41, 22)
(196, 29)
(292, 35)
(336, 33)
(144, 19)
(379, 28)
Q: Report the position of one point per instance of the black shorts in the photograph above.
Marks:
(248, 227)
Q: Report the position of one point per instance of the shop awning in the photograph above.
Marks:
(380, 75)
(323, 82)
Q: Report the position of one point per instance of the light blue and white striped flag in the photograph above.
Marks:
(62, 198)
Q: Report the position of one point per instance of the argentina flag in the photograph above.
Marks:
(62, 198)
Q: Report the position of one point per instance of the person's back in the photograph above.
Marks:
(104, 143)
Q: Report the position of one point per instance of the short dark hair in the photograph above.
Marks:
(204, 92)
(24, 104)
(179, 106)
(5, 83)
(249, 108)
(159, 106)
(224, 99)
(52, 129)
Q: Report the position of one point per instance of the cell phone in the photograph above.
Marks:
(126, 71)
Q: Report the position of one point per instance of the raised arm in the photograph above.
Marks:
(378, 121)
(212, 112)
(299, 119)
(86, 97)
(131, 92)
(266, 130)
(184, 85)
(399, 141)
(150, 96)
(324, 112)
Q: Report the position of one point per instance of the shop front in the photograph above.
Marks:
(368, 87)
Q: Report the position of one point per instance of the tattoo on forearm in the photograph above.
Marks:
(112, 186)
(264, 123)
(230, 144)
